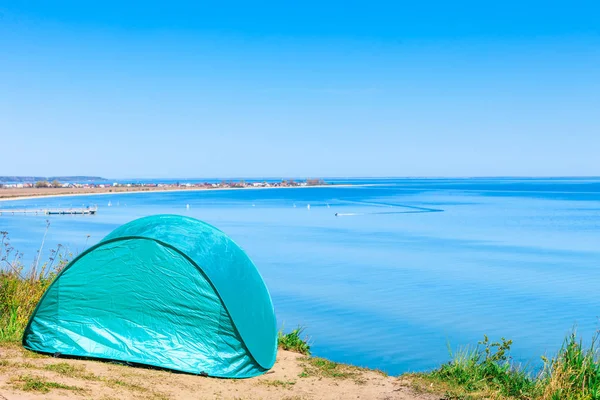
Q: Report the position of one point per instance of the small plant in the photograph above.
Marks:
(293, 341)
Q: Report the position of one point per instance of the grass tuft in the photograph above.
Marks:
(323, 368)
(21, 288)
(293, 341)
(278, 383)
(38, 384)
(62, 368)
(125, 384)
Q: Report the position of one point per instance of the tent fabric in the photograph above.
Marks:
(167, 291)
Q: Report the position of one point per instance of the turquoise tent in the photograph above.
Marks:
(166, 291)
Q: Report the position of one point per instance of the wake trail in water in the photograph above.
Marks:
(386, 212)
(414, 209)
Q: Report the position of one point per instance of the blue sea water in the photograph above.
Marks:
(406, 268)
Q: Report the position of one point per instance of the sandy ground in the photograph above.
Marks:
(7, 194)
(25, 193)
(27, 375)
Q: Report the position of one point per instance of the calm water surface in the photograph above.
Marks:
(406, 268)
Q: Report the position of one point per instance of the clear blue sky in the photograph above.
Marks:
(313, 88)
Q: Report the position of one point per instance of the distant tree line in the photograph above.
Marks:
(46, 184)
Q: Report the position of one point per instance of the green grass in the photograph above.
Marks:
(62, 368)
(293, 341)
(27, 353)
(38, 384)
(574, 373)
(21, 288)
(321, 367)
(316, 367)
(278, 383)
(487, 372)
(125, 384)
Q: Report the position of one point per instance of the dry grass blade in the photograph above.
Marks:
(21, 288)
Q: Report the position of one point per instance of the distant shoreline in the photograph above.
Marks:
(25, 194)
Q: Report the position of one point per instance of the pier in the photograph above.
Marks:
(50, 211)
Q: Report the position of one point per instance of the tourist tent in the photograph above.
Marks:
(165, 291)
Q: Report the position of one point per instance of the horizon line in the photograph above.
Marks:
(323, 177)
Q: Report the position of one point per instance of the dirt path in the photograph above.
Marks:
(26, 375)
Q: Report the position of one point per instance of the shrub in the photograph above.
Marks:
(42, 184)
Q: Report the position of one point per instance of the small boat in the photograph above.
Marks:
(109, 203)
(308, 206)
